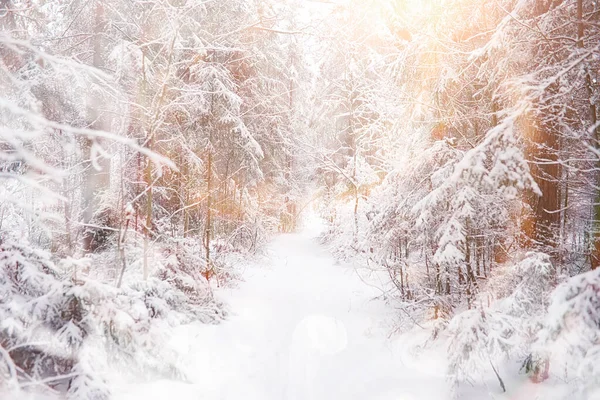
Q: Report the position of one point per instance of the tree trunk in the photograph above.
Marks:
(208, 212)
(541, 226)
(595, 257)
(186, 197)
(355, 184)
(149, 194)
(542, 132)
(94, 181)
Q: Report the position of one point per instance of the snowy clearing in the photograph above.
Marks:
(304, 328)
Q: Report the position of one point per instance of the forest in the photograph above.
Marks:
(418, 178)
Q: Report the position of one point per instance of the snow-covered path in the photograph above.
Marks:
(304, 328)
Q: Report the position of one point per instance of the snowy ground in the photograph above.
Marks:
(304, 328)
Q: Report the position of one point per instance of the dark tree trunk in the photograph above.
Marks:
(595, 257)
(541, 225)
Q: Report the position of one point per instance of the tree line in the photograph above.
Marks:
(463, 136)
